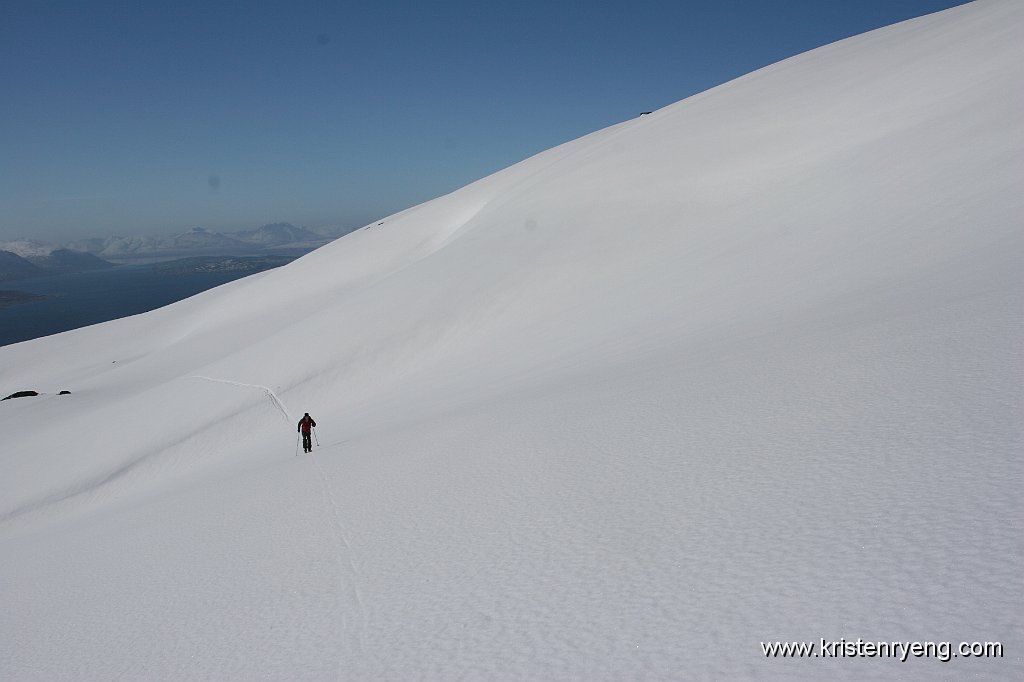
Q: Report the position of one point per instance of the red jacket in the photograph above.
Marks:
(306, 423)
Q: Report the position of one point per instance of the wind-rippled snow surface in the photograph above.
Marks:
(748, 369)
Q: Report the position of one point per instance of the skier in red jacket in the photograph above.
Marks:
(306, 424)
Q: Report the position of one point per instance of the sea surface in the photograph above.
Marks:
(83, 298)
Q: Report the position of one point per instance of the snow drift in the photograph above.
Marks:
(745, 369)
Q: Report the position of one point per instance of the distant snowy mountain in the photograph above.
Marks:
(200, 238)
(744, 370)
(278, 234)
(27, 247)
(118, 247)
(93, 245)
(66, 260)
(199, 241)
(30, 258)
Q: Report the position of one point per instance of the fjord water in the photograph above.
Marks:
(80, 299)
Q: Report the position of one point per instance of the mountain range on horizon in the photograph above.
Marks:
(26, 258)
(270, 238)
(57, 261)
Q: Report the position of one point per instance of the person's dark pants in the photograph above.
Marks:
(307, 441)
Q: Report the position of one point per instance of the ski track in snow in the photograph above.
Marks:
(266, 389)
(344, 548)
(344, 557)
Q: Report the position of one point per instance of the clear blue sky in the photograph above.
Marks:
(138, 117)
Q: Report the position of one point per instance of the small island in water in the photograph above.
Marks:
(239, 264)
(9, 298)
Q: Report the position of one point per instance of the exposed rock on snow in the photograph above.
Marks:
(21, 394)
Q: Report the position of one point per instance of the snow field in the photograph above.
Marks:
(746, 369)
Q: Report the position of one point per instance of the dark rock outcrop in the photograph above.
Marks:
(21, 394)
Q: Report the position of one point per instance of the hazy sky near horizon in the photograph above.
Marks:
(140, 117)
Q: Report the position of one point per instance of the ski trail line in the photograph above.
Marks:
(266, 389)
(341, 539)
(343, 548)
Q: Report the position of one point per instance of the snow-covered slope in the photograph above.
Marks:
(746, 369)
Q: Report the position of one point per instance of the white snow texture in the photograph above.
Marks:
(745, 369)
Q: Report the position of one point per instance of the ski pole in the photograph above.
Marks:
(296, 445)
(315, 439)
